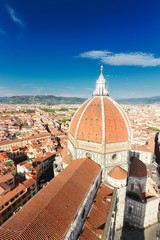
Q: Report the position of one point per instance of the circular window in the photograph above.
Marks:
(88, 155)
(114, 157)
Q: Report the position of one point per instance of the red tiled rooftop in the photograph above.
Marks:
(5, 198)
(29, 182)
(15, 148)
(138, 169)
(28, 164)
(96, 222)
(2, 157)
(6, 177)
(4, 186)
(52, 210)
(118, 173)
(144, 148)
(33, 137)
(67, 158)
(88, 234)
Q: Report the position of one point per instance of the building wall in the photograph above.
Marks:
(134, 212)
(16, 202)
(106, 161)
(141, 214)
(12, 206)
(21, 143)
(11, 183)
(145, 157)
(45, 165)
(134, 184)
(151, 212)
(109, 229)
(21, 170)
(116, 182)
(121, 197)
(76, 226)
(31, 191)
(99, 147)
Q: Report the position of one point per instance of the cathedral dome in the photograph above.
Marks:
(101, 120)
(99, 123)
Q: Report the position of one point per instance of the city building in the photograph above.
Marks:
(102, 181)
(60, 210)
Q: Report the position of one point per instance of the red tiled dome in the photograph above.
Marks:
(118, 173)
(138, 169)
(101, 120)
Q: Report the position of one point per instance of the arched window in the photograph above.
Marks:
(83, 213)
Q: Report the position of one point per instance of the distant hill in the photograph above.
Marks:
(53, 100)
(41, 99)
(146, 100)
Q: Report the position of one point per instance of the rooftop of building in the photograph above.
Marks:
(137, 168)
(51, 211)
(6, 178)
(95, 223)
(118, 173)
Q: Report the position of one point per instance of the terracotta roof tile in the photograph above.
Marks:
(29, 182)
(76, 117)
(118, 173)
(96, 222)
(5, 198)
(50, 212)
(15, 148)
(117, 127)
(6, 177)
(90, 127)
(138, 169)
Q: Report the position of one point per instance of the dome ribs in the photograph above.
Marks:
(116, 129)
(76, 117)
(123, 117)
(89, 128)
(110, 123)
(103, 121)
(100, 120)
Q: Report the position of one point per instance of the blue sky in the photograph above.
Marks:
(57, 47)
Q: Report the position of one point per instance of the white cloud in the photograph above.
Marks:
(94, 54)
(14, 17)
(127, 59)
(89, 89)
(27, 84)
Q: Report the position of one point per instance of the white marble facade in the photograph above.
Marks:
(106, 161)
